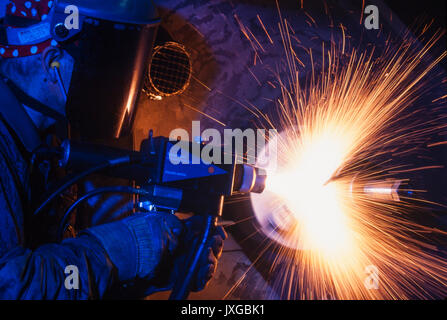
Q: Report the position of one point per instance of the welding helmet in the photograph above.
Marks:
(111, 42)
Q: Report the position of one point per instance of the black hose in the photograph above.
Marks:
(115, 189)
(181, 291)
(80, 176)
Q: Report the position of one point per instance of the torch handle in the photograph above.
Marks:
(182, 288)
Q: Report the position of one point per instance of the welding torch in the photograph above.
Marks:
(192, 186)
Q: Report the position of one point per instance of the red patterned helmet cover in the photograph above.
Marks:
(36, 10)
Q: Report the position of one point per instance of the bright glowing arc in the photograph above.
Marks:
(315, 203)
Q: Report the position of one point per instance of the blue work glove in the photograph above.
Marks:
(174, 269)
(139, 245)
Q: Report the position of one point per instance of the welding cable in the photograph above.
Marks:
(181, 292)
(77, 177)
(115, 189)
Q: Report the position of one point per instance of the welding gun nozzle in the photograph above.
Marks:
(252, 179)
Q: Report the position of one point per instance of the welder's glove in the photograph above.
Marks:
(138, 245)
(174, 270)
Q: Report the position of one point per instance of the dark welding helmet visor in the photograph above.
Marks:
(111, 48)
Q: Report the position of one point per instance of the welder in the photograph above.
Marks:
(138, 254)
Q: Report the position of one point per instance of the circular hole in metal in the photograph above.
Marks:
(170, 70)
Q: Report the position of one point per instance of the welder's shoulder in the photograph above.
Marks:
(12, 175)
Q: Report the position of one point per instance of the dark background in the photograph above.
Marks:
(409, 10)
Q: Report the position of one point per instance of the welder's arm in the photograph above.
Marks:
(118, 252)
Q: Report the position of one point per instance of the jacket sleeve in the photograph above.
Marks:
(82, 268)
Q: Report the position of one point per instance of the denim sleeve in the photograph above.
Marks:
(101, 256)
